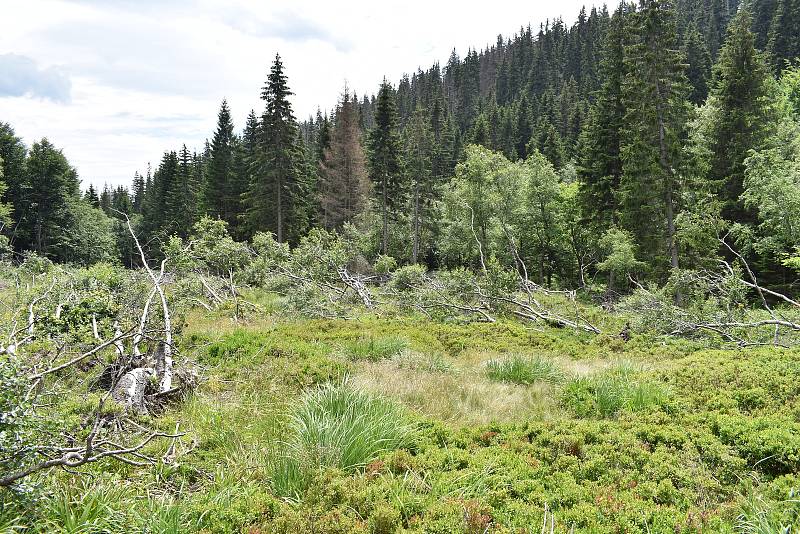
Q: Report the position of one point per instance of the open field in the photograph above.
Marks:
(444, 427)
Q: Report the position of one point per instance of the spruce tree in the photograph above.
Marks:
(784, 38)
(385, 163)
(158, 216)
(105, 200)
(698, 60)
(5, 208)
(182, 198)
(419, 152)
(343, 184)
(654, 93)
(139, 186)
(91, 197)
(275, 199)
(12, 153)
(220, 198)
(53, 187)
(740, 92)
(600, 163)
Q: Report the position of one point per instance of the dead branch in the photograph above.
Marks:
(166, 377)
(34, 302)
(77, 359)
(90, 452)
(356, 285)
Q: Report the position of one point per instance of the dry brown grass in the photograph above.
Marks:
(463, 395)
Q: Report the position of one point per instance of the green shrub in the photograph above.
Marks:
(337, 426)
(385, 519)
(522, 370)
(385, 264)
(607, 393)
(772, 444)
(374, 348)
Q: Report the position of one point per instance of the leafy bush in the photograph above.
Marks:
(607, 393)
(337, 426)
(408, 278)
(522, 370)
(771, 443)
(385, 264)
(374, 348)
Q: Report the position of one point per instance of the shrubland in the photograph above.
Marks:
(315, 394)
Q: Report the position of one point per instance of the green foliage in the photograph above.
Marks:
(524, 370)
(620, 260)
(91, 238)
(338, 426)
(408, 278)
(385, 264)
(374, 349)
(607, 393)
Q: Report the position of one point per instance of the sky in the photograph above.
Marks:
(115, 83)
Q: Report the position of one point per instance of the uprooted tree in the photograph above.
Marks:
(95, 335)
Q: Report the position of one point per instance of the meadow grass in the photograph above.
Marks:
(270, 450)
(620, 387)
(340, 426)
(462, 395)
(524, 370)
(374, 348)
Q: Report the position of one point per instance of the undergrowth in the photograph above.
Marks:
(637, 437)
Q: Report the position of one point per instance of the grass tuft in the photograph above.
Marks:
(525, 371)
(337, 426)
(607, 393)
(760, 516)
(375, 348)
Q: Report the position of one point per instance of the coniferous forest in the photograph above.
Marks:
(549, 286)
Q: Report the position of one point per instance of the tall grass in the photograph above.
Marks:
(83, 509)
(605, 394)
(759, 516)
(337, 426)
(522, 370)
(374, 348)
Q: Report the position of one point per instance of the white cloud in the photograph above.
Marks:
(147, 76)
(21, 76)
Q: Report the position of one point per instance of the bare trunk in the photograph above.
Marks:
(131, 388)
(166, 360)
(385, 238)
(415, 250)
(672, 245)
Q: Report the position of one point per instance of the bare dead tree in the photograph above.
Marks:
(166, 356)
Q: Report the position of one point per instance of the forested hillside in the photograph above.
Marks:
(550, 286)
(665, 122)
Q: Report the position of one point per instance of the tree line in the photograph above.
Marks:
(622, 145)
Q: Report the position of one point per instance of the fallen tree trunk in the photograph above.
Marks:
(131, 388)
